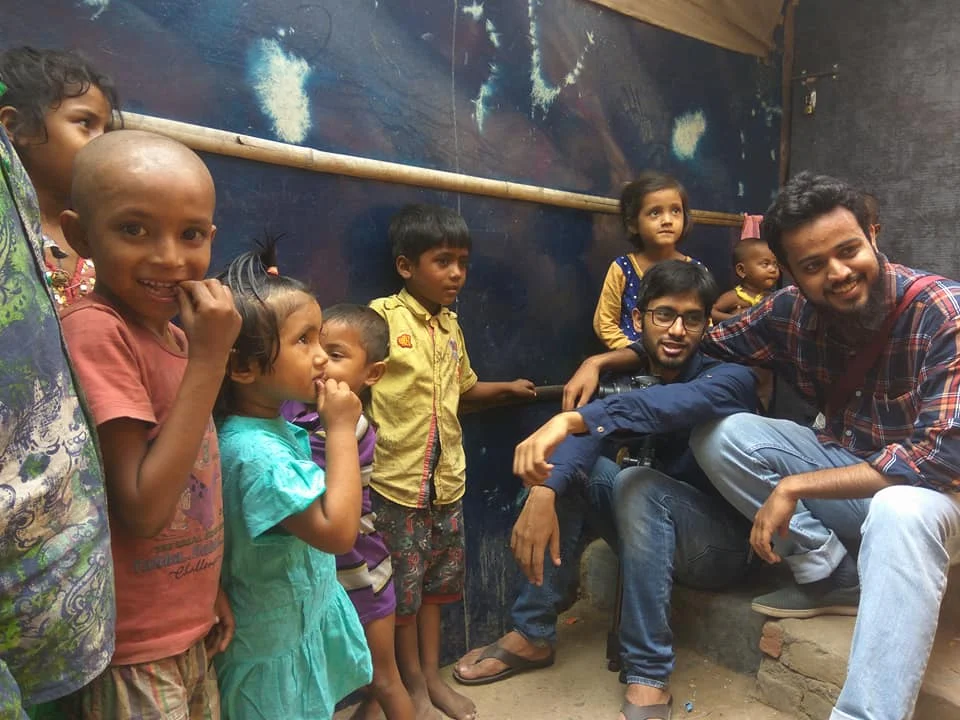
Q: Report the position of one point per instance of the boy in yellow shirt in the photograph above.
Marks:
(419, 469)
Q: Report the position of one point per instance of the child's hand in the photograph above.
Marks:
(209, 318)
(523, 389)
(221, 633)
(337, 404)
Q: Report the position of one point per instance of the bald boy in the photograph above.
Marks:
(143, 210)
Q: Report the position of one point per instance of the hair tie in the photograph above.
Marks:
(273, 270)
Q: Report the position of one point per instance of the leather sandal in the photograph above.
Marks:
(515, 665)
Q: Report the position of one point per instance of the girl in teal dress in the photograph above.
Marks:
(298, 647)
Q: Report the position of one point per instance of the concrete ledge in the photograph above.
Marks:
(800, 664)
(805, 664)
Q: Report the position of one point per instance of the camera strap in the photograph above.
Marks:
(839, 395)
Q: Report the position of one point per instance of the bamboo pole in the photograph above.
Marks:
(222, 142)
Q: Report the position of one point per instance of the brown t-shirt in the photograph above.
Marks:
(166, 585)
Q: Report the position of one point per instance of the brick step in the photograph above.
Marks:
(805, 664)
(802, 664)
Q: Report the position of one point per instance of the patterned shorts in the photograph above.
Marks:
(427, 550)
(182, 687)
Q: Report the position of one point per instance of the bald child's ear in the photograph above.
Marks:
(75, 233)
(375, 371)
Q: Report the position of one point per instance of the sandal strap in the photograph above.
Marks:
(647, 712)
(498, 652)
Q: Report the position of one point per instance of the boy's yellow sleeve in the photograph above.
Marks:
(606, 318)
(468, 376)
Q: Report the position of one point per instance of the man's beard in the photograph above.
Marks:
(866, 318)
(661, 362)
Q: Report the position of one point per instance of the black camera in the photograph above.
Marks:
(626, 383)
(638, 453)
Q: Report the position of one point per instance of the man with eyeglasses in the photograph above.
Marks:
(875, 347)
(665, 520)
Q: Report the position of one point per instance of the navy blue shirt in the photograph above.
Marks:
(705, 390)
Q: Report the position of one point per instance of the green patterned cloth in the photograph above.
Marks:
(56, 573)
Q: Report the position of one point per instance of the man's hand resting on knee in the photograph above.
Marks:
(535, 530)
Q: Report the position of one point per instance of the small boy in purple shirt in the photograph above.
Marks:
(356, 340)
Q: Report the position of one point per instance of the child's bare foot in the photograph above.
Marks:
(422, 705)
(369, 709)
(449, 701)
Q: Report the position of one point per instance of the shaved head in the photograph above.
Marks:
(110, 160)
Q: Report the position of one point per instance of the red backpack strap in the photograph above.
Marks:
(841, 392)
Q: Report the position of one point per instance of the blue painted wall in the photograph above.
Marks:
(561, 93)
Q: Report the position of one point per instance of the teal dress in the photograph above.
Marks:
(299, 646)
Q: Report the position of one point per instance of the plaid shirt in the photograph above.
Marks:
(905, 418)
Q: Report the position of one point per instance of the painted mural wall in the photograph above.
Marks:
(560, 93)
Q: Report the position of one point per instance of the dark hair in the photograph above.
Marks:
(418, 228)
(743, 248)
(40, 80)
(373, 330)
(805, 197)
(677, 277)
(873, 208)
(260, 298)
(631, 200)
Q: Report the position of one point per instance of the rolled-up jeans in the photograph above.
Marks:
(908, 537)
(661, 529)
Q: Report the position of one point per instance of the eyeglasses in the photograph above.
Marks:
(693, 320)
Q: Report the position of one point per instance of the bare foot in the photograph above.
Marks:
(469, 669)
(646, 695)
(449, 701)
(369, 709)
(422, 705)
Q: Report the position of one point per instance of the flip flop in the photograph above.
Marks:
(663, 711)
(515, 665)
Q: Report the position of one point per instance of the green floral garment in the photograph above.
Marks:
(56, 573)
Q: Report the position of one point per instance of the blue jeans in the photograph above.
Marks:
(907, 536)
(662, 529)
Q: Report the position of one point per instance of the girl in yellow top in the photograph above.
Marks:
(656, 213)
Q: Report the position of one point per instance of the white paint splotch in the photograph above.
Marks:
(98, 6)
(279, 80)
(481, 103)
(493, 34)
(542, 92)
(474, 10)
(688, 129)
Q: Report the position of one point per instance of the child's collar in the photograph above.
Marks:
(444, 314)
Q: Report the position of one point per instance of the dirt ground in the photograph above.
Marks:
(579, 686)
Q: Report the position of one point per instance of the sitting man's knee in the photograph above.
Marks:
(711, 437)
(900, 507)
(639, 486)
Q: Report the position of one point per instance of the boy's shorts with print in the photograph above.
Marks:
(427, 550)
(182, 687)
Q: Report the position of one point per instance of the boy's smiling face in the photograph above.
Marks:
(148, 227)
